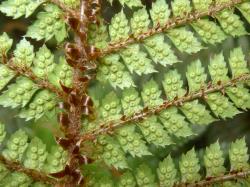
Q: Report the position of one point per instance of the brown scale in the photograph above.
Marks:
(92, 10)
(74, 59)
(203, 93)
(219, 83)
(80, 56)
(76, 159)
(82, 101)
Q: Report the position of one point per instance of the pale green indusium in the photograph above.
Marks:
(187, 169)
(24, 93)
(160, 51)
(43, 62)
(49, 24)
(32, 154)
(144, 104)
(160, 129)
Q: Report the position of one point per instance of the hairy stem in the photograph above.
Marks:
(71, 119)
(42, 83)
(170, 24)
(108, 127)
(34, 174)
(220, 179)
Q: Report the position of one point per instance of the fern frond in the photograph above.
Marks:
(6, 74)
(219, 104)
(113, 153)
(160, 12)
(42, 102)
(244, 8)
(238, 155)
(3, 171)
(47, 93)
(131, 102)
(114, 72)
(159, 120)
(167, 172)
(16, 9)
(154, 132)
(189, 167)
(49, 24)
(144, 176)
(237, 62)
(183, 13)
(36, 147)
(5, 46)
(14, 174)
(42, 29)
(16, 146)
(137, 60)
(19, 93)
(69, 3)
(127, 179)
(23, 54)
(130, 3)
(62, 74)
(184, 40)
(29, 160)
(119, 28)
(151, 94)
(110, 107)
(44, 62)
(40, 79)
(132, 142)
(98, 35)
(124, 37)
(188, 171)
(231, 23)
(175, 123)
(139, 22)
(214, 161)
(56, 160)
(2, 133)
(159, 51)
(111, 140)
(215, 35)
(21, 180)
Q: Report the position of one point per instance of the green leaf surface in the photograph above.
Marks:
(114, 72)
(189, 167)
(231, 23)
(113, 154)
(167, 172)
(19, 93)
(154, 132)
(44, 101)
(48, 24)
(136, 60)
(184, 40)
(145, 177)
(18, 8)
(132, 142)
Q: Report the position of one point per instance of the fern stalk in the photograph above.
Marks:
(27, 72)
(110, 126)
(233, 175)
(34, 174)
(71, 121)
(171, 23)
(42, 83)
(70, 78)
